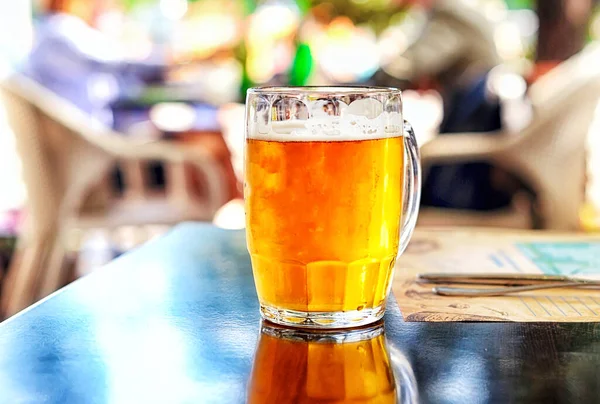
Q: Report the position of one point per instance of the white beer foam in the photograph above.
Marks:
(334, 129)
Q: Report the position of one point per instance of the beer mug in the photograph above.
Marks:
(332, 188)
(356, 366)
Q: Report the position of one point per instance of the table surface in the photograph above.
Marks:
(177, 321)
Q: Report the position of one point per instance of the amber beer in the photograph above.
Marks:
(323, 221)
(305, 371)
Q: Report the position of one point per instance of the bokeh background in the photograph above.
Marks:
(165, 81)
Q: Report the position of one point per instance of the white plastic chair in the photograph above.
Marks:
(65, 154)
(549, 153)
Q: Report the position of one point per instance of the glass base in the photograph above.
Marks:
(335, 319)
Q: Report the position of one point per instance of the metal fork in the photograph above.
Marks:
(523, 282)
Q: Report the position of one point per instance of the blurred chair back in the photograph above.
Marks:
(65, 154)
(549, 153)
(40, 142)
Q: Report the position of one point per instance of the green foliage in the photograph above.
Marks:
(129, 4)
(302, 66)
(377, 14)
(304, 5)
(520, 4)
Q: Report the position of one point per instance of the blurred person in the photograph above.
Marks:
(563, 32)
(456, 51)
(78, 62)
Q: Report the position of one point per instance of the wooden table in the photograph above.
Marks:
(177, 322)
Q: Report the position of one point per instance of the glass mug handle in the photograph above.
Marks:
(412, 186)
(407, 390)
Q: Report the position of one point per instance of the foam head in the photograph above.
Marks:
(306, 117)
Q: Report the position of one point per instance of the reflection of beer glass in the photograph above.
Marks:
(332, 193)
(294, 366)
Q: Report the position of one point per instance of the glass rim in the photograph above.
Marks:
(326, 91)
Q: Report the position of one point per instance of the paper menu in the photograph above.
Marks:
(493, 251)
